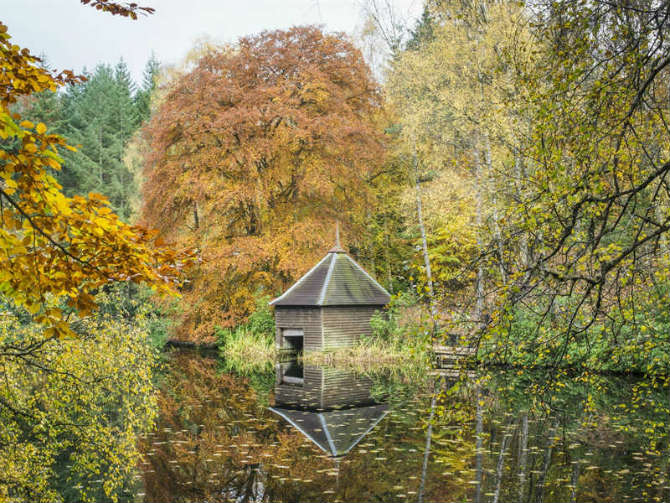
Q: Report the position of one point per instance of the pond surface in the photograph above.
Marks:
(318, 434)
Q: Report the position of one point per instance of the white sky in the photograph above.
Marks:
(73, 36)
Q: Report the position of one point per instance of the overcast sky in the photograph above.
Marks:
(73, 36)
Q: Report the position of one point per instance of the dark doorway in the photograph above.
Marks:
(293, 339)
(292, 372)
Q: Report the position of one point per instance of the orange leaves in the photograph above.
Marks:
(254, 155)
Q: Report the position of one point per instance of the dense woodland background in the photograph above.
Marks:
(504, 162)
(501, 167)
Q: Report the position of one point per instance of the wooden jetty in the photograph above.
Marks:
(449, 359)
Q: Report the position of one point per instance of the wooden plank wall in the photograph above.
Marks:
(343, 326)
(305, 396)
(342, 389)
(306, 318)
(325, 388)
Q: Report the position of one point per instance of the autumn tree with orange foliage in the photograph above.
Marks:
(253, 156)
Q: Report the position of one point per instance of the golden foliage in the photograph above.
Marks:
(56, 248)
(71, 410)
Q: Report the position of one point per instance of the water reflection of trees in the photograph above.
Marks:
(523, 438)
(213, 441)
(566, 438)
(216, 442)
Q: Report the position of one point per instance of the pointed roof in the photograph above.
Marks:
(338, 431)
(335, 281)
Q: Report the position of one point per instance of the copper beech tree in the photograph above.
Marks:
(253, 156)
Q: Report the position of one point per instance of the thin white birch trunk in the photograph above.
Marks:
(424, 244)
(479, 441)
(501, 463)
(426, 452)
(547, 462)
(479, 219)
(523, 455)
(497, 234)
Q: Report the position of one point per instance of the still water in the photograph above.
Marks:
(297, 433)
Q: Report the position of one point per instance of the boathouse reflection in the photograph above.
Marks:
(332, 408)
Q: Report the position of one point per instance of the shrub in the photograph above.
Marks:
(77, 407)
(389, 330)
(250, 347)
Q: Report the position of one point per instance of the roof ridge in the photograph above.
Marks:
(329, 274)
(329, 438)
(335, 281)
(375, 423)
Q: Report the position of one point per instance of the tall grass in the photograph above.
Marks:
(250, 348)
(246, 352)
(367, 356)
(399, 341)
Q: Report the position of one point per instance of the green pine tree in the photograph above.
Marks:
(143, 95)
(423, 30)
(101, 117)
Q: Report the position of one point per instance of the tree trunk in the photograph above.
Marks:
(387, 256)
(497, 234)
(501, 463)
(479, 430)
(523, 454)
(426, 452)
(547, 462)
(520, 175)
(424, 244)
(575, 479)
(479, 219)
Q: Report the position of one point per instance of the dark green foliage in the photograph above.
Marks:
(262, 321)
(143, 95)
(132, 304)
(47, 107)
(101, 119)
(423, 31)
(249, 348)
(391, 328)
(99, 116)
(259, 327)
(640, 344)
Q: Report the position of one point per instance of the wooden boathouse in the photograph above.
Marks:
(328, 307)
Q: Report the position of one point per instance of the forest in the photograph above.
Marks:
(500, 167)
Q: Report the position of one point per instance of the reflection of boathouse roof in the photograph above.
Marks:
(335, 281)
(335, 432)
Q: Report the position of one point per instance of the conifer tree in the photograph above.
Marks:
(143, 95)
(100, 116)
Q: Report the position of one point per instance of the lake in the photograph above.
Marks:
(304, 433)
